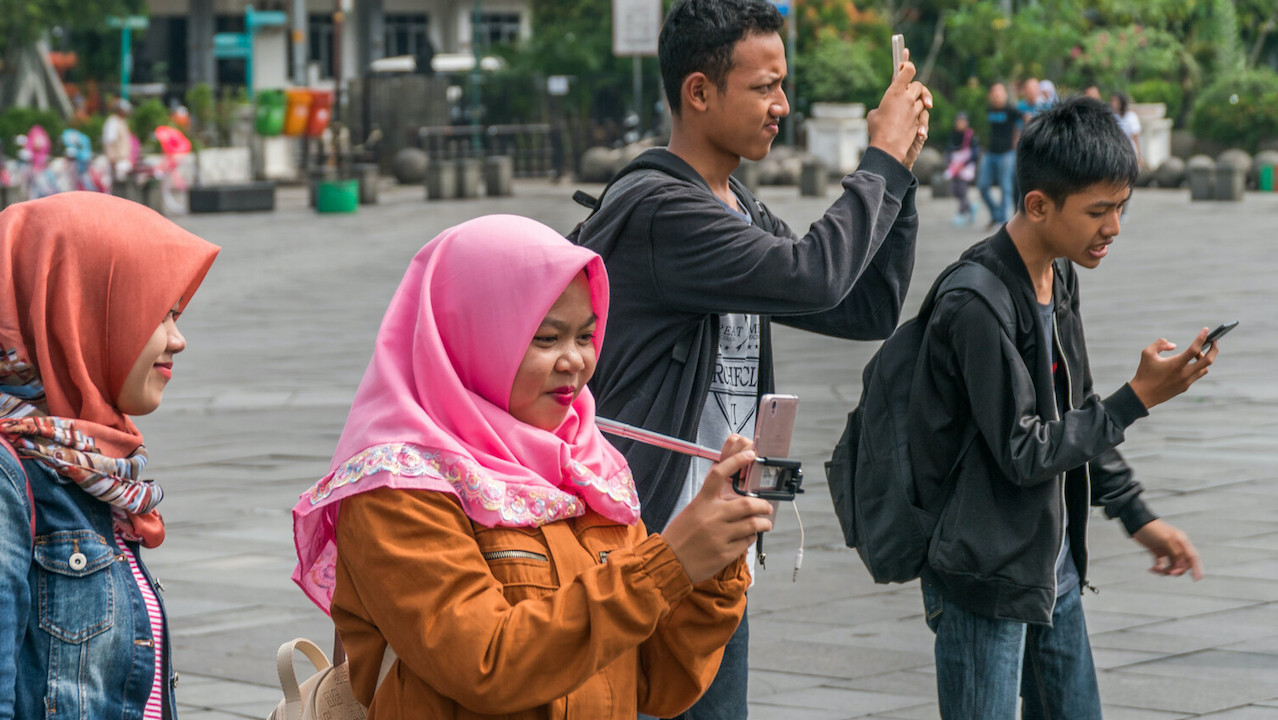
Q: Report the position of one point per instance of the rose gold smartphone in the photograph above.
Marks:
(773, 428)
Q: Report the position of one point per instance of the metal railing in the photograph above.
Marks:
(537, 149)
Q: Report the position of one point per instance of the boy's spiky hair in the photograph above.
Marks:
(1071, 146)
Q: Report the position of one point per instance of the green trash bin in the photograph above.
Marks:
(270, 112)
(1267, 178)
(337, 196)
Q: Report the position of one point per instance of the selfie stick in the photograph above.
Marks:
(790, 472)
(648, 437)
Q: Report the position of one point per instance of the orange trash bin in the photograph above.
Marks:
(298, 110)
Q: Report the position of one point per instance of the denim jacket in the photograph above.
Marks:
(75, 639)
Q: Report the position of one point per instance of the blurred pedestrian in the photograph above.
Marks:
(1048, 90)
(91, 287)
(478, 530)
(1032, 101)
(963, 154)
(998, 164)
(1127, 120)
(117, 143)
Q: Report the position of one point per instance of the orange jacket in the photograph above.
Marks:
(580, 618)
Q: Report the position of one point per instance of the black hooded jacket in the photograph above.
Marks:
(1002, 524)
(677, 258)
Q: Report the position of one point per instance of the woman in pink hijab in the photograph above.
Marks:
(479, 534)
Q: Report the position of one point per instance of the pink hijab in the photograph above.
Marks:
(431, 412)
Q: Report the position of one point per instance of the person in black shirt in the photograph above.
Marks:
(999, 161)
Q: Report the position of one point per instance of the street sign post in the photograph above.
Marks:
(126, 26)
(636, 27)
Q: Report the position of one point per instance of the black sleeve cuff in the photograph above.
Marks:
(1124, 407)
(898, 178)
(1136, 515)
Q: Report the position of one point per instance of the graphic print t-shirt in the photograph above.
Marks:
(733, 399)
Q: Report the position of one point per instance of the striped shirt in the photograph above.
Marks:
(154, 709)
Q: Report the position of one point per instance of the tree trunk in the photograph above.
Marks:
(938, 40)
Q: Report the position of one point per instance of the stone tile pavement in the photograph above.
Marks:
(282, 329)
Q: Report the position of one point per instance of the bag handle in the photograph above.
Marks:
(288, 674)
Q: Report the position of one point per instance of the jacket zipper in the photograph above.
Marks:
(514, 555)
(1087, 468)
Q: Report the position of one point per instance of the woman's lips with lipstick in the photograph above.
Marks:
(165, 369)
(564, 395)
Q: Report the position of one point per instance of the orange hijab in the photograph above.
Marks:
(85, 279)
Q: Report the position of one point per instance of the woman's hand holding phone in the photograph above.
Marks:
(718, 525)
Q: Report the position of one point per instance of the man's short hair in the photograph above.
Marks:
(699, 36)
(1072, 146)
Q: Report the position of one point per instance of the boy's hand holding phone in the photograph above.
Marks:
(1159, 379)
(898, 126)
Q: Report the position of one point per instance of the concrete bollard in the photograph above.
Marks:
(747, 173)
(813, 178)
(441, 180)
(1201, 171)
(941, 185)
(470, 174)
(368, 175)
(1231, 180)
(499, 175)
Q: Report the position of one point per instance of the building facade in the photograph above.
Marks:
(178, 46)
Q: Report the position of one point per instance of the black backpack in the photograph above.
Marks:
(870, 476)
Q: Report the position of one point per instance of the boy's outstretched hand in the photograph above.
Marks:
(898, 126)
(1159, 379)
(1173, 553)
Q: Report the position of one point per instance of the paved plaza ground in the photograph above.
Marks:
(281, 331)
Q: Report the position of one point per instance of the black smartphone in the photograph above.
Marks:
(1219, 332)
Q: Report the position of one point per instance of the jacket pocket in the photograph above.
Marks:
(76, 600)
(519, 559)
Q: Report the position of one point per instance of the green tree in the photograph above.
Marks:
(24, 21)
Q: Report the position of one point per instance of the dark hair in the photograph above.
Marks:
(1071, 146)
(699, 36)
(1122, 101)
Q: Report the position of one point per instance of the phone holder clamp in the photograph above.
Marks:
(789, 480)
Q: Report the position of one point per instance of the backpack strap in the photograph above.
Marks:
(664, 161)
(977, 278)
(7, 446)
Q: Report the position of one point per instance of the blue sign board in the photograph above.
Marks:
(232, 45)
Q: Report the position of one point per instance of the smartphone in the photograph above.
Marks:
(1219, 332)
(773, 428)
(898, 53)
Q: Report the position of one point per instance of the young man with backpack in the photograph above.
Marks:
(1007, 561)
(699, 267)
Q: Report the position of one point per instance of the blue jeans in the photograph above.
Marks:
(982, 664)
(997, 169)
(725, 699)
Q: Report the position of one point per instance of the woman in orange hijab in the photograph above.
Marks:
(90, 289)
